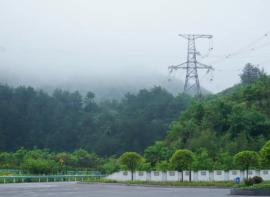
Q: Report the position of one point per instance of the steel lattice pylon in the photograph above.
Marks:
(192, 65)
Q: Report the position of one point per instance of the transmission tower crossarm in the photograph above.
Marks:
(184, 35)
(195, 36)
(204, 66)
(175, 67)
(203, 36)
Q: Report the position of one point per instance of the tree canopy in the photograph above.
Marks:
(182, 160)
(246, 159)
(65, 121)
(131, 160)
(225, 123)
(251, 73)
(265, 155)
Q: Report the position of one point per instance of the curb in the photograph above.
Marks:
(250, 192)
(157, 186)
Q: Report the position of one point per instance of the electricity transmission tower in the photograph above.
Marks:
(192, 65)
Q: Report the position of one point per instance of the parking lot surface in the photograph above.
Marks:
(72, 189)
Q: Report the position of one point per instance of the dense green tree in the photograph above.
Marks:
(41, 166)
(85, 159)
(43, 161)
(265, 155)
(6, 160)
(65, 121)
(224, 162)
(225, 123)
(251, 73)
(203, 161)
(246, 159)
(157, 152)
(145, 166)
(131, 161)
(182, 160)
(162, 166)
(110, 165)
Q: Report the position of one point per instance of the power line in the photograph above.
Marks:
(247, 48)
(248, 45)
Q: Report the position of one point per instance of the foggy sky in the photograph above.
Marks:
(53, 41)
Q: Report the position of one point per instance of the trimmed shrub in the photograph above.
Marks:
(257, 179)
(249, 181)
(41, 166)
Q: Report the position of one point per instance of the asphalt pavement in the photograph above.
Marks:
(72, 189)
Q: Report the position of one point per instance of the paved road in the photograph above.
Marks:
(102, 190)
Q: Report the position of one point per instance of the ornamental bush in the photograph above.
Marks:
(257, 179)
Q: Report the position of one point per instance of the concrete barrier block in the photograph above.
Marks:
(156, 176)
(140, 176)
(186, 175)
(233, 174)
(219, 175)
(203, 175)
(265, 174)
(172, 176)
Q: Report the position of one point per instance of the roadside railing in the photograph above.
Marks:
(64, 172)
(48, 178)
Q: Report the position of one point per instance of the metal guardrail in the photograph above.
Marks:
(81, 172)
(47, 178)
(66, 172)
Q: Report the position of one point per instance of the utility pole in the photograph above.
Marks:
(192, 65)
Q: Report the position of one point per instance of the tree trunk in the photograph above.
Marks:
(132, 175)
(182, 172)
(189, 175)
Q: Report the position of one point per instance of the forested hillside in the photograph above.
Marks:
(153, 123)
(219, 127)
(65, 121)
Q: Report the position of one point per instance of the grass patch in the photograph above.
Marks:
(7, 174)
(263, 185)
(168, 183)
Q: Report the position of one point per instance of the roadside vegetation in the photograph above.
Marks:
(168, 183)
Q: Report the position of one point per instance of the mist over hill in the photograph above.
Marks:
(105, 87)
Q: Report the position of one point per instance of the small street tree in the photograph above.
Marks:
(265, 155)
(131, 160)
(182, 160)
(246, 159)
